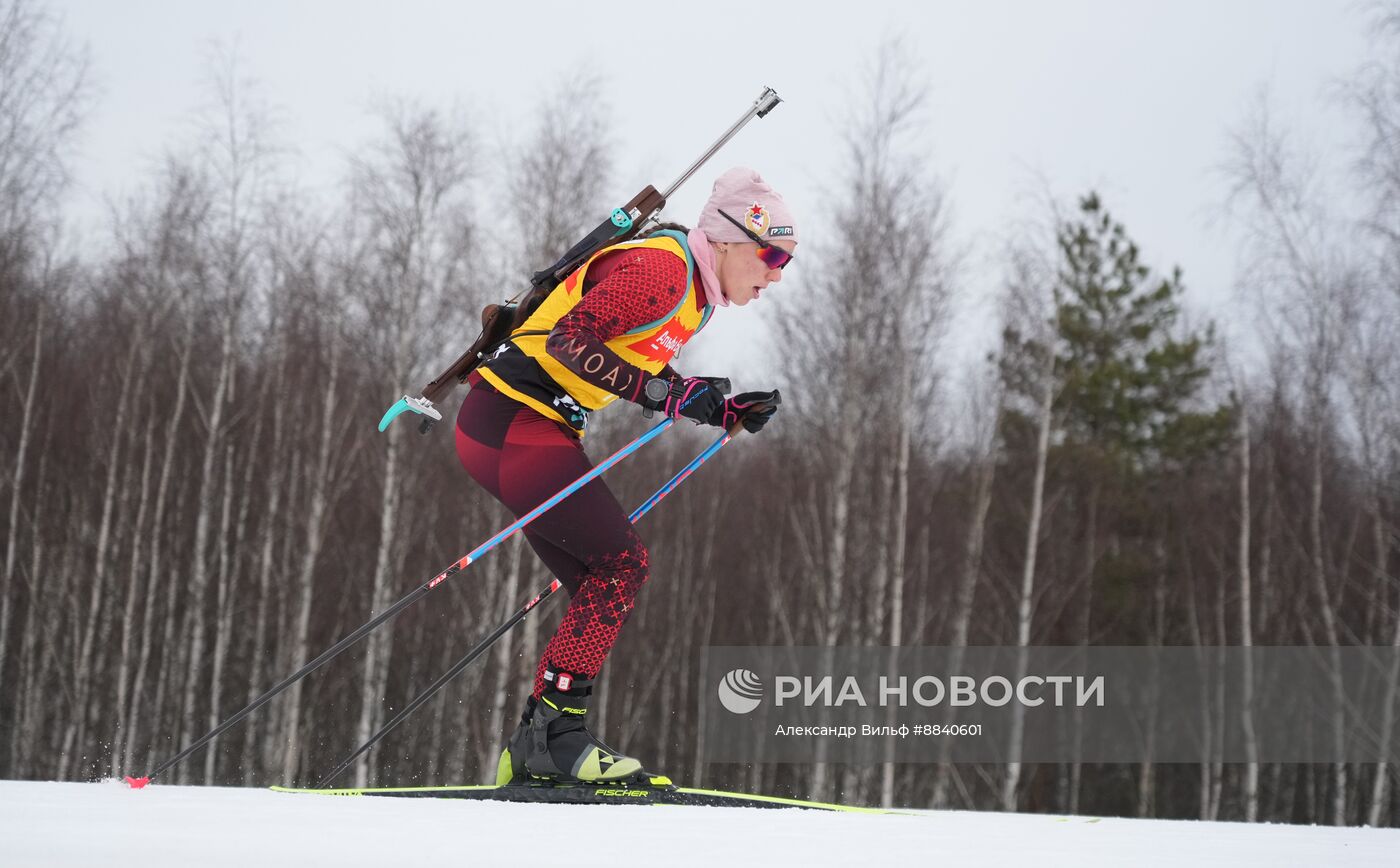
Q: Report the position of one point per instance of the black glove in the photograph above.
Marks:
(697, 398)
(754, 408)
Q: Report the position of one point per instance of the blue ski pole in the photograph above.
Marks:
(481, 647)
(408, 600)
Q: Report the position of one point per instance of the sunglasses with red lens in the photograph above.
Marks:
(772, 256)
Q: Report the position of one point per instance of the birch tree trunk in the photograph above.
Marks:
(964, 596)
(1147, 768)
(1024, 606)
(1381, 785)
(1216, 763)
(1085, 622)
(223, 617)
(33, 661)
(1329, 623)
(76, 730)
(416, 237)
(26, 426)
(260, 648)
(158, 541)
(380, 643)
(199, 567)
(125, 663)
(1246, 604)
(899, 523)
(834, 580)
(318, 503)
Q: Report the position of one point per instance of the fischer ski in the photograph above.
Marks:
(659, 791)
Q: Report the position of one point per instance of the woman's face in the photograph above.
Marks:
(742, 275)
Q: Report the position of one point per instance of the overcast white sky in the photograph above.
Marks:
(1131, 98)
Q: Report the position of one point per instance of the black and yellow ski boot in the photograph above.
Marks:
(552, 743)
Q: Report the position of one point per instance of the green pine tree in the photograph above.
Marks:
(1129, 412)
(1130, 383)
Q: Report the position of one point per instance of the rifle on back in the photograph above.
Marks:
(499, 321)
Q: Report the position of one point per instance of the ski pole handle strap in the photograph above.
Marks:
(749, 410)
(696, 398)
(764, 411)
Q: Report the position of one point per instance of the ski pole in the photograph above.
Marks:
(412, 597)
(481, 647)
(457, 667)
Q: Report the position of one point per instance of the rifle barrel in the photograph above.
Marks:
(766, 102)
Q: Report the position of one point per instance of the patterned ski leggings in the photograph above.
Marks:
(522, 458)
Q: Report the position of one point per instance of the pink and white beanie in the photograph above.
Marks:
(744, 195)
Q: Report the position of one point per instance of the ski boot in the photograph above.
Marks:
(552, 743)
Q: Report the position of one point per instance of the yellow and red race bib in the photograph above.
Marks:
(523, 369)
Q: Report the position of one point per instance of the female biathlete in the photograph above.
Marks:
(609, 331)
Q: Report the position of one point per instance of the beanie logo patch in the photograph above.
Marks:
(780, 230)
(756, 218)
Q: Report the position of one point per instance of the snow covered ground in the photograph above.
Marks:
(65, 824)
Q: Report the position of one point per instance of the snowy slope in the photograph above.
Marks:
(62, 824)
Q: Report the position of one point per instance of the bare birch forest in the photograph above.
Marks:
(194, 500)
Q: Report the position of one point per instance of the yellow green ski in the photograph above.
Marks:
(659, 792)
